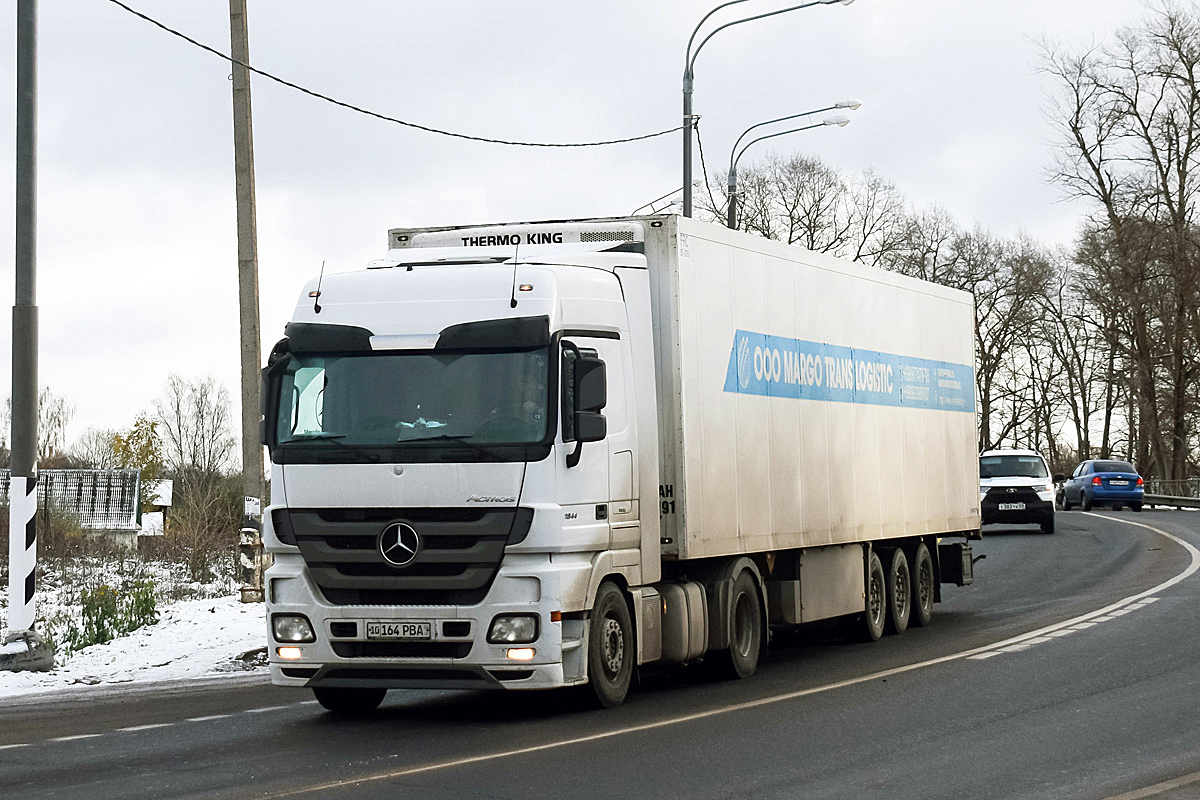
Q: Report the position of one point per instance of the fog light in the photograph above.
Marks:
(292, 628)
(290, 653)
(518, 653)
(513, 629)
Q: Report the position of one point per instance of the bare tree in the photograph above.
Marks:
(194, 426)
(94, 449)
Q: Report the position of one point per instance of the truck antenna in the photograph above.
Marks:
(512, 301)
(317, 294)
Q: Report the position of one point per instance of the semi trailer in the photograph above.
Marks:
(538, 455)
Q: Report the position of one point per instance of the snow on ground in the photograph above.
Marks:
(192, 638)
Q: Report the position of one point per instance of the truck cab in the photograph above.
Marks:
(460, 454)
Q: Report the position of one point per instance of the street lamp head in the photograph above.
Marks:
(853, 105)
(843, 2)
(840, 121)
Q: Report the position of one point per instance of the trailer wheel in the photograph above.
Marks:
(740, 659)
(610, 647)
(922, 586)
(899, 592)
(875, 613)
(349, 702)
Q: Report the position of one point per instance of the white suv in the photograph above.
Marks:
(1015, 486)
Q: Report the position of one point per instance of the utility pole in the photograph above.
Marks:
(250, 555)
(22, 531)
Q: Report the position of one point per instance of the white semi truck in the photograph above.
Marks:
(527, 456)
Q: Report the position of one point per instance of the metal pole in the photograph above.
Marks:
(687, 142)
(23, 487)
(251, 348)
(731, 215)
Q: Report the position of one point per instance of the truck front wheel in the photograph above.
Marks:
(610, 647)
(349, 702)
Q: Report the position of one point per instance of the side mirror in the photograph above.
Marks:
(585, 393)
(1059, 478)
(591, 384)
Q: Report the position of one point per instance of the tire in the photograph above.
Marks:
(1063, 504)
(899, 591)
(1135, 506)
(610, 647)
(349, 702)
(923, 587)
(1085, 502)
(874, 616)
(1048, 525)
(740, 658)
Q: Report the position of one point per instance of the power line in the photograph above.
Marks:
(376, 114)
(704, 169)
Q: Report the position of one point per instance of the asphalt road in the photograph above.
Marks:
(1067, 671)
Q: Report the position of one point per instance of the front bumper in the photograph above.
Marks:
(456, 656)
(1037, 508)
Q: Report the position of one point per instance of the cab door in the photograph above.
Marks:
(583, 467)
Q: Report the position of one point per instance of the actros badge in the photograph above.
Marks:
(399, 544)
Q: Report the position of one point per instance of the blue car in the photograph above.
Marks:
(1102, 483)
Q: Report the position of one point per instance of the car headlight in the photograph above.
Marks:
(292, 628)
(513, 629)
(1049, 486)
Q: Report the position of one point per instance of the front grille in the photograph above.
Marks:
(1001, 494)
(460, 553)
(402, 649)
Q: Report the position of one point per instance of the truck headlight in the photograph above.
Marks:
(513, 629)
(292, 628)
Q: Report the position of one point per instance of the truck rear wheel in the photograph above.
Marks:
(347, 701)
(899, 592)
(875, 614)
(740, 658)
(610, 646)
(922, 586)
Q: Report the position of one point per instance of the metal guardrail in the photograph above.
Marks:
(1171, 501)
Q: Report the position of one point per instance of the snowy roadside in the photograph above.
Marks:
(192, 639)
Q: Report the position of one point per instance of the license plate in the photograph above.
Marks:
(399, 630)
(1118, 483)
(1011, 506)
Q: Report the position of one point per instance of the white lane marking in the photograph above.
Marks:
(75, 737)
(764, 701)
(261, 710)
(982, 656)
(1117, 609)
(11, 746)
(133, 728)
(206, 719)
(1158, 788)
(1065, 632)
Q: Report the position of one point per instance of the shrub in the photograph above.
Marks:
(105, 613)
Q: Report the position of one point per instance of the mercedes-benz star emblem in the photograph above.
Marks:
(399, 544)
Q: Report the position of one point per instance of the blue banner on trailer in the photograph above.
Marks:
(776, 366)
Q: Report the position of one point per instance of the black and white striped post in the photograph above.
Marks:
(22, 552)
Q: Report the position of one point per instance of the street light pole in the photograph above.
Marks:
(731, 205)
(689, 79)
(22, 487)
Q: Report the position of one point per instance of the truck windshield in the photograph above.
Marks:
(418, 398)
(1012, 467)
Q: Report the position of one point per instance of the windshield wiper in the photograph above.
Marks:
(333, 438)
(456, 439)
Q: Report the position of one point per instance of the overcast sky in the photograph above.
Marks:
(137, 251)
